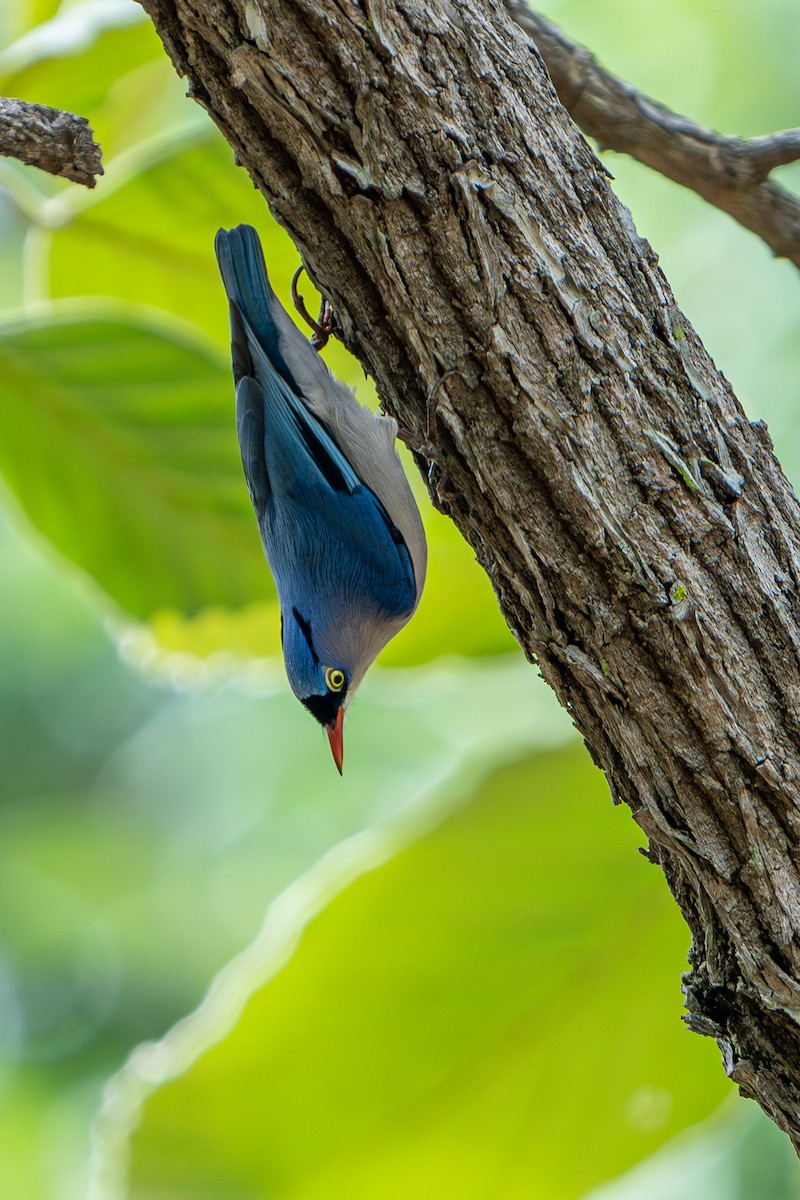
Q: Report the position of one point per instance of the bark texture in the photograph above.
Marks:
(55, 141)
(636, 527)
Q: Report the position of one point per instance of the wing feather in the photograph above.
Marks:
(338, 521)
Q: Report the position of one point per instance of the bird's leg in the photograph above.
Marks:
(322, 325)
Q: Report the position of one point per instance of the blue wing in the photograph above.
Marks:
(250, 428)
(323, 530)
(327, 536)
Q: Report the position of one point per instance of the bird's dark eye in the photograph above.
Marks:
(334, 679)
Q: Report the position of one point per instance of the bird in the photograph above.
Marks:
(340, 528)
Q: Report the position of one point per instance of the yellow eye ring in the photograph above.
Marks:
(334, 679)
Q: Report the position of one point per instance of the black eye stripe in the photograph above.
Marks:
(305, 628)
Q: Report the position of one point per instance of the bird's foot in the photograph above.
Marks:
(322, 327)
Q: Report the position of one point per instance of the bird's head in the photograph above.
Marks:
(324, 688)
(326, 657)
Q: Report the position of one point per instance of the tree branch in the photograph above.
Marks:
(642, 542)
(729, 172)
(55, 141)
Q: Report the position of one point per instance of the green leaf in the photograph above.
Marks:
(143, 830)
(146, 234)
(738, 1155)
(458, 614)
(80, 61)
(454, 1023)
(16, 19)
(118, 441)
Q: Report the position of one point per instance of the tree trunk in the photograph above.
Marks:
(637, 529)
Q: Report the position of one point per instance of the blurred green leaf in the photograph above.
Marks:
(16, 19)
(724, 278)
(738, 1155)
(143, 830)
(454, 1023)
(146, 234)
(458, 614)
(85, 60)
(72, 64)
(119, 443)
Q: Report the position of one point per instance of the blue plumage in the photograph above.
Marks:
(340, 529)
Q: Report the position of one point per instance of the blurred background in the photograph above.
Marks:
(467, 981)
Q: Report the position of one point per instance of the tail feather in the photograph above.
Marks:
(244, 274)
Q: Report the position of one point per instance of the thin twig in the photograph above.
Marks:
(729, 172)
(55, 141)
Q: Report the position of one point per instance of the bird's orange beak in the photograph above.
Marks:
(336, 738)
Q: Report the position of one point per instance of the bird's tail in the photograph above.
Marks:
(244, 274)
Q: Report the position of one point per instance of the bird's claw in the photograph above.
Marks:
(322, 327)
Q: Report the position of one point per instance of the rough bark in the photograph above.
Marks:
(636, 527)
(55, 141)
